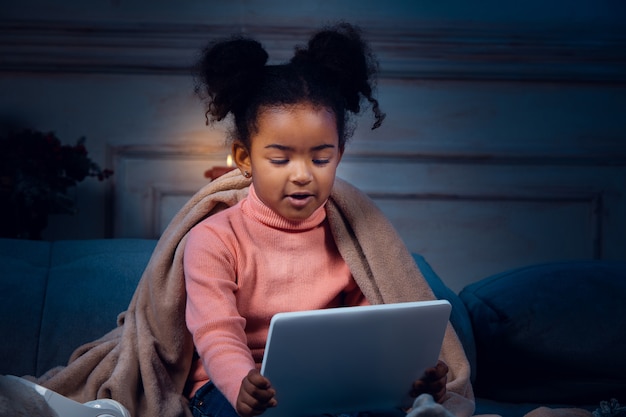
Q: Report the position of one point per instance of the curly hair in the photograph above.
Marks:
(335, 70)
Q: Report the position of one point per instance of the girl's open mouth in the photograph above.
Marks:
(300, 200)
(300, 196)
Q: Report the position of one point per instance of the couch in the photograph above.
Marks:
(552, 334)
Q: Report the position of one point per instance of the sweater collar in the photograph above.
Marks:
(256, 209)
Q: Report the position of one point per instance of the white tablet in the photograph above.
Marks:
(352, 358)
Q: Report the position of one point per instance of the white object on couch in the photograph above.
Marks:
(67, 407)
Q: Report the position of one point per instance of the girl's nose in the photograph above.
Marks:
(301, 173)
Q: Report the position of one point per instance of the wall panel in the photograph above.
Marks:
(504, 142)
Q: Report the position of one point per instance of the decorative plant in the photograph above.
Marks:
(36, 171)
(610, 408)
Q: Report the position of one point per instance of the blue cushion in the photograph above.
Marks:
(458, 317)
(551, 333)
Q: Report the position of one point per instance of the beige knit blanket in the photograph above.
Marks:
(144, 362)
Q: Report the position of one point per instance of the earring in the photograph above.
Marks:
(246, 174)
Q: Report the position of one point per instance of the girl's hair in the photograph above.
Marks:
(335, 70)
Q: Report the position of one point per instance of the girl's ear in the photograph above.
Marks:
(241, 157)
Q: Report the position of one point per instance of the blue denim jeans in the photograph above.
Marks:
(210, 402)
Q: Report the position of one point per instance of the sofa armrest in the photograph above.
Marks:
(551, 333)
(23, 282)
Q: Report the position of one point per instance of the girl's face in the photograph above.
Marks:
(293, 157)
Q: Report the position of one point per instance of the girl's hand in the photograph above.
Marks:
(255, 395)
(433, 382)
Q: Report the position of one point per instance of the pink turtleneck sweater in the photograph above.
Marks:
(242, 266)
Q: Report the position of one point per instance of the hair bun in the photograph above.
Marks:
(228, 68)
(344, 58)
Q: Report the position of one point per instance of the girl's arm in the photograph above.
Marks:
(211, 312)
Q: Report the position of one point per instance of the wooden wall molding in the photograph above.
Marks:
(451, 52)
(158, 186)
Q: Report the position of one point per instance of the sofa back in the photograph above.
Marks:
(60, 295)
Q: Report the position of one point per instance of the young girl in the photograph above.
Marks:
(274, 251)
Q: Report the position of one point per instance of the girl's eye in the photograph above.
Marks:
(279, 161)
(321, 161)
